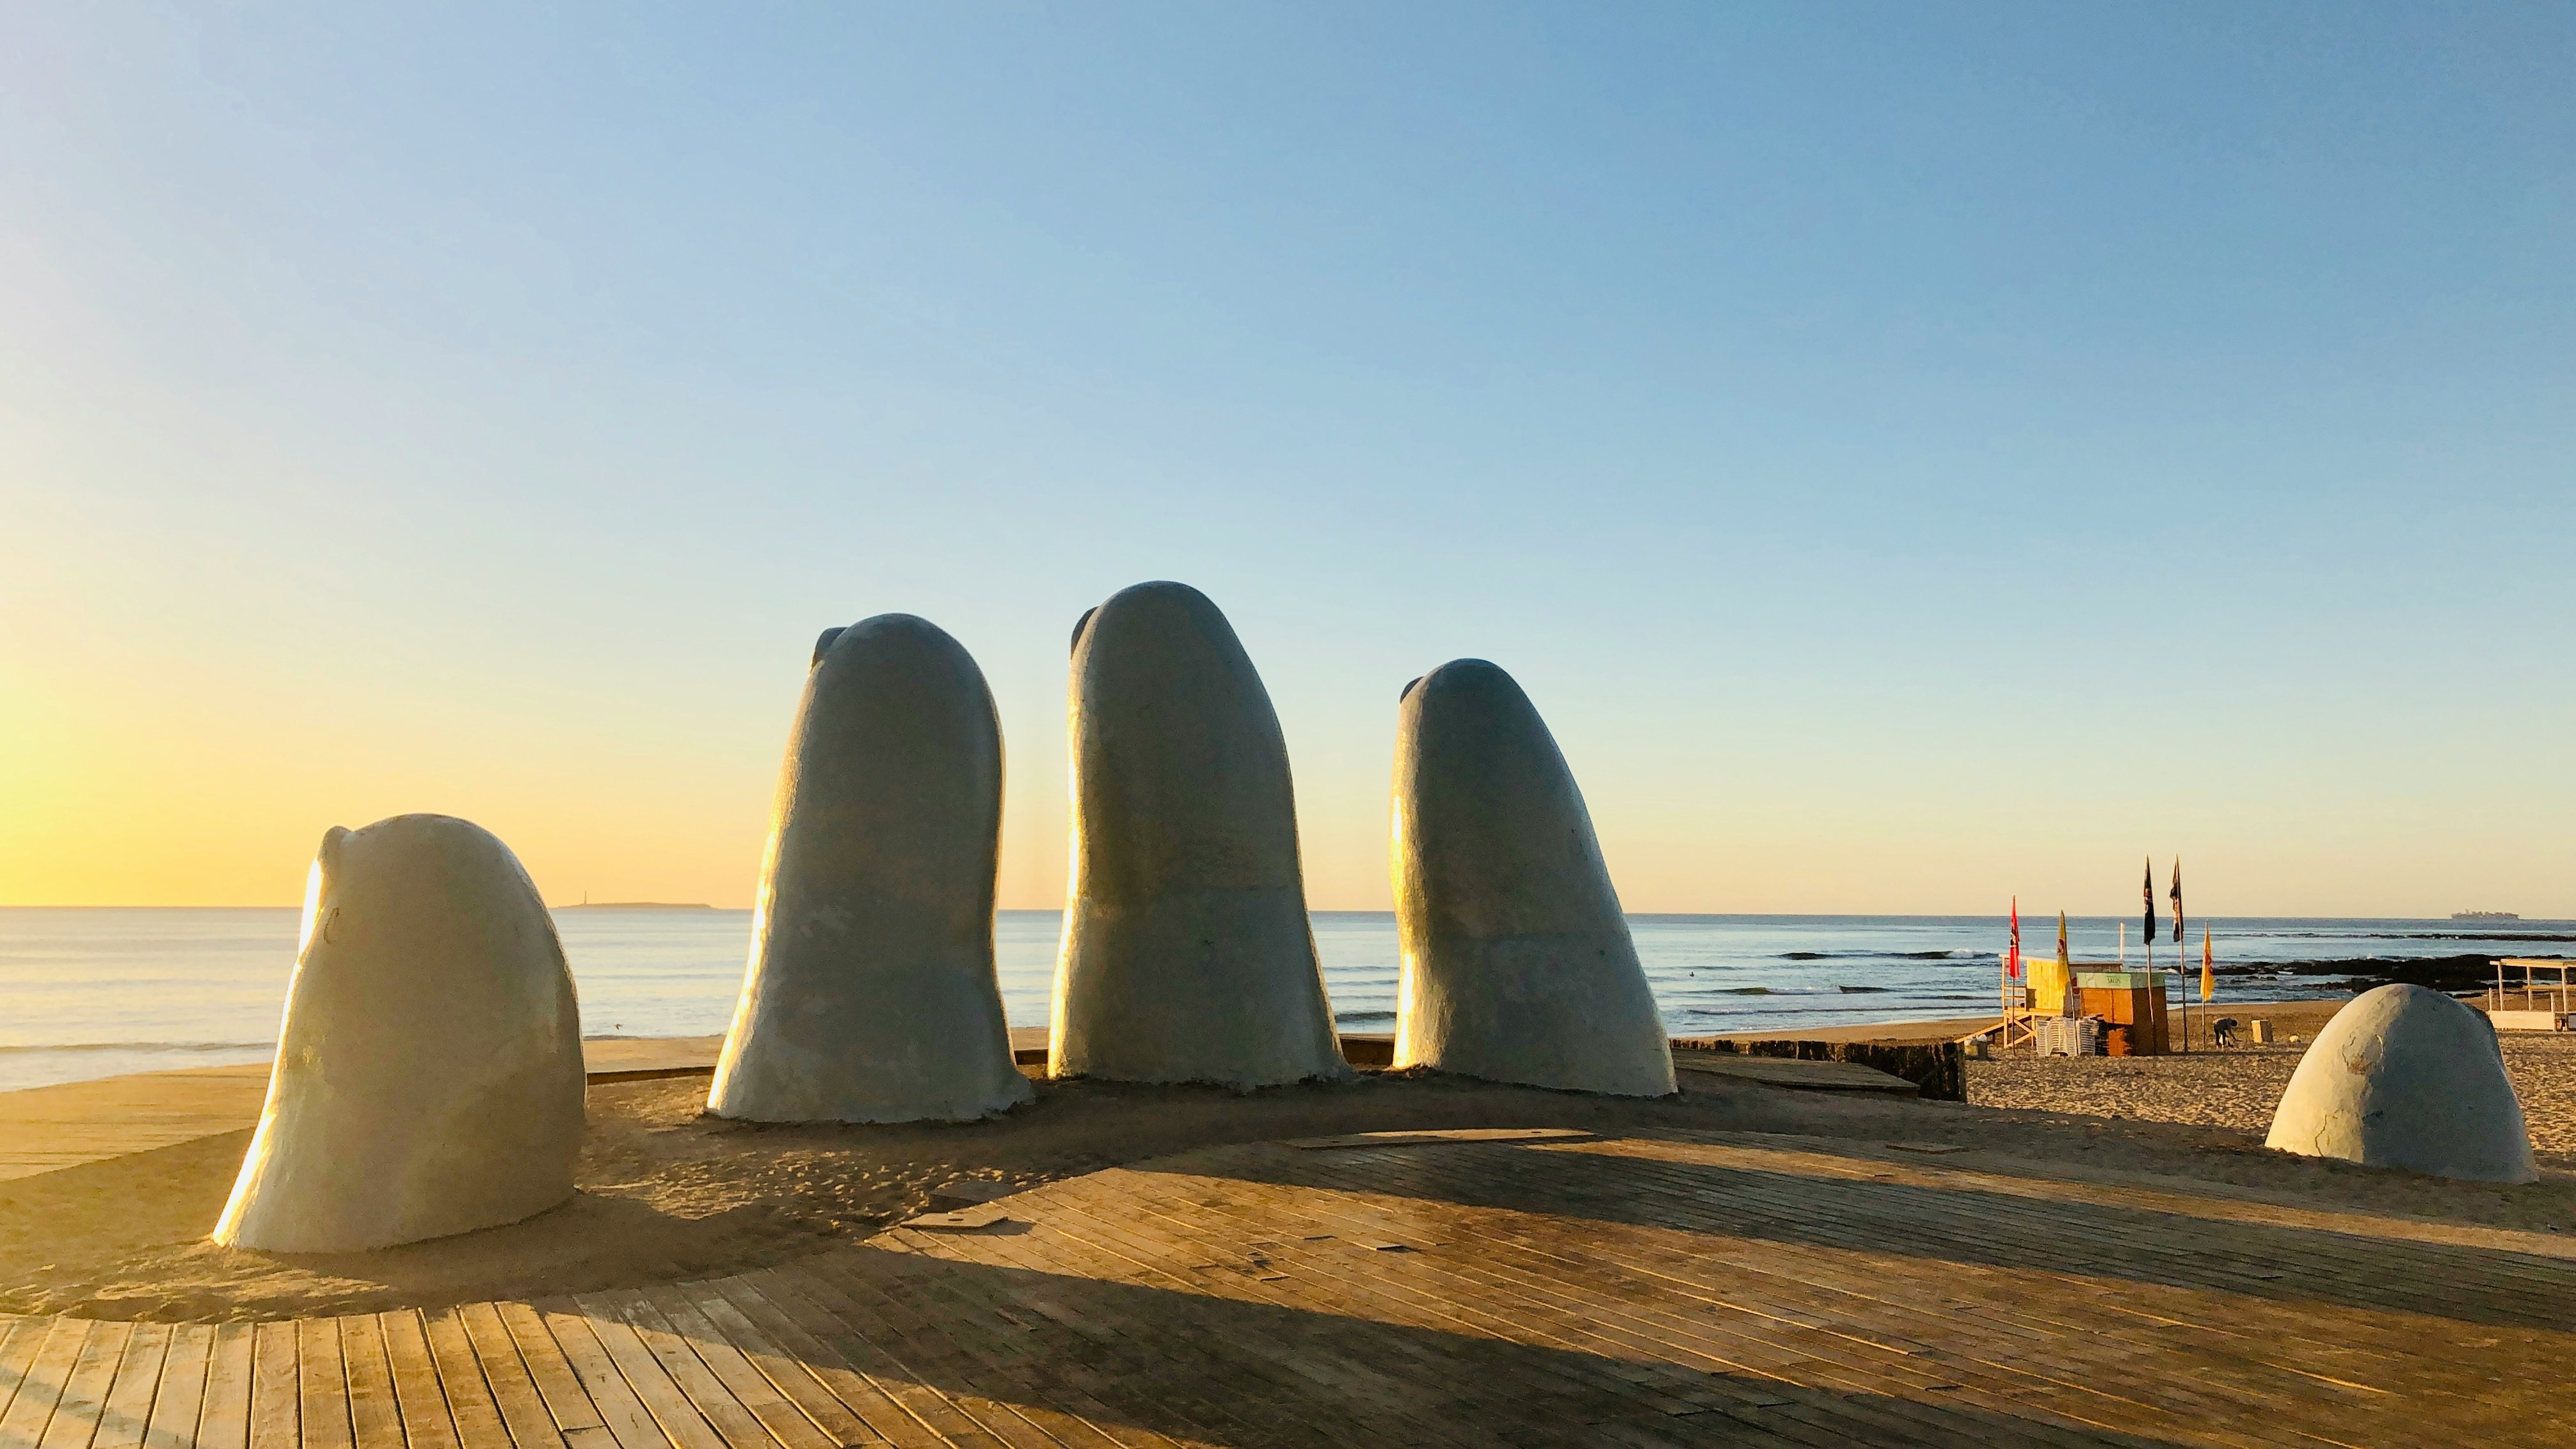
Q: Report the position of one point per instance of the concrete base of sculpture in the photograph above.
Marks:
(1517, 963)
(1186, 955)
(2409, 1078)
(870, 994)
(429, 1073)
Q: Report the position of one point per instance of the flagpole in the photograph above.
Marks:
(2181, 969)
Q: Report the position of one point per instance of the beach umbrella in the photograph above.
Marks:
(2012, 963)
(2208, 977)
(2176, 893)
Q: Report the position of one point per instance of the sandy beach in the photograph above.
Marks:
(668, 1193)
(2236, 1088)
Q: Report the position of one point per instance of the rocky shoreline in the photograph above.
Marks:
(2455, 974)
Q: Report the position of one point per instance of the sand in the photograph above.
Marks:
(667, 1193)
(2236, 1088)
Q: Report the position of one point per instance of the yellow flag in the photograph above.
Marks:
(2208, 978)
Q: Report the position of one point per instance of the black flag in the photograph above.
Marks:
(2176, 893)
(2150, 891)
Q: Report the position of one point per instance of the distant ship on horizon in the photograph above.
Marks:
(587, 904)
(2485, 918)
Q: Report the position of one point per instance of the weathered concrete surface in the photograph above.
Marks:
(2407, 1077)
(1186, 954)
(870, 994)
(429, 1071)
(1517, 965)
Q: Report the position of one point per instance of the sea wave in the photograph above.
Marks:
(1886, 956)
(1789, 990)
(11, 1049)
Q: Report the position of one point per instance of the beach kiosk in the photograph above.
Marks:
(2130, 1005)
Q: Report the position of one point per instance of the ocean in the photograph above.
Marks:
(95, 992)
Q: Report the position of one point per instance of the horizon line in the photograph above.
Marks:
(2042, 918)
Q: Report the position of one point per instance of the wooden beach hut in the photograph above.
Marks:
(2131, 1005)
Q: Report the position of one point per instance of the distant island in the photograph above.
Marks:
(2485, 917)
(637, 906)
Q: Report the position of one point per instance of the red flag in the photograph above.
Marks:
(2012, 964)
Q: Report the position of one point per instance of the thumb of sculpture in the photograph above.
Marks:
(1517, 963)
(429, 1073)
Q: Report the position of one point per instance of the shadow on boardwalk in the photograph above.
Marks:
(1825, 1194)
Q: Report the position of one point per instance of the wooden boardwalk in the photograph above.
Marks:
(1709, 1289)
(46, 1129)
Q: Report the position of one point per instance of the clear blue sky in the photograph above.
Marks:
(1912, 454)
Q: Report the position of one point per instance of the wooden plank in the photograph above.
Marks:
(75, 1418)
(1809, 1206)
(180, 1398)
(375, 1418)
(1313, 1364)
(1514, 1318)
(1434, 1137)
(777, 1414)
(1589, 1318)
(461, 1381)
(962, 1220)
(922, 1359)
(420, 1404)
(628, 1423)
(1797, 1075)
(1316, 1363)
(575, 1416)
(276, 1402)
(795, 1292)
(731, 1420)
(883, 1416)
(19, 1340)
(127, 1415)
(936, 1343)
(2236, 1397)
(22, 1425)
(793, 1380)
(1860, 1297)
(223, 1422)
(1196, 1392)
(1617, 1323)
(1204, 1387)
(678, 1419)
(514, 1390)
(1158, 1376)
(322, 1383)
(986, 1324)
